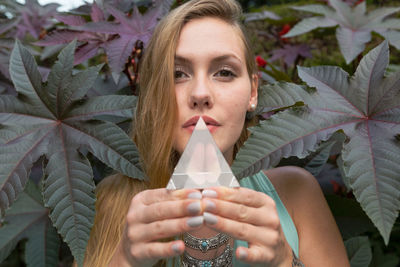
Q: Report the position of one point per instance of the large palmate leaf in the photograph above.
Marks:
(366, 107)
(54, 119)
(129, 30)
(28, 219)
(91, 42)
(355, 25)
(117, 37)
(30, 18)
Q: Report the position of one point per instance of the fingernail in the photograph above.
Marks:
(209, 218)
(195, 195)
(209, 193)
(242, 254)
(209, 205)
(194, 208)
(195, 221)
(176, 248)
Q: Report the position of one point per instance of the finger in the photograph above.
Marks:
(163, 229)
(156, 250)
(148, 197)
(264, 216)
(255, 254)
(168, 210)
(239, 195)
(243, 231)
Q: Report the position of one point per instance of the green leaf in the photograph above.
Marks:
(315, 165)
(28, 81)
(280, 95)
(359, 251)
(69, 193)
(343, 10)
(371, 162)
(80, 84)
(108, 143)
(369, 76)
(15, 163)
(309, 24)
(27, 219)
(333, 88)
(30, 129)
(355, 26)
(15, 111)
(318, 9)
(59, 77)
(351, 43)
(43, 244)
(116, 105)
(377, 15)
(387, 99)
(293, 132)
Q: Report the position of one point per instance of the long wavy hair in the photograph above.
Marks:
(153, 124)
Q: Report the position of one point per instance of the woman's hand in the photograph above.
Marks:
(154, 215)
(251, 216)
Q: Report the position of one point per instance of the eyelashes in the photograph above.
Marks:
(225, 73)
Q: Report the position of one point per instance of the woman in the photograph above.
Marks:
(199, 63)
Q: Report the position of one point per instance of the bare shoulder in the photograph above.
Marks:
(299, 191)
(302, 196)
(291, 181)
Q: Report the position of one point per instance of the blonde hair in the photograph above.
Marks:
(153, 125)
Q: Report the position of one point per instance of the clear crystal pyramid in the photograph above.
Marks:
(202, 164)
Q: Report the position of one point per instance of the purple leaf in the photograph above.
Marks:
(101, 27)
(97, 14)
(71, 20)
(92, 39)
(118, 52)
(65, 36)
(289, 53)
(86, 51)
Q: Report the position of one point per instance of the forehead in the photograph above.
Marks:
(209, 37)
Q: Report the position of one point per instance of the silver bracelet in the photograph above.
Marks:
(296, 262)
(223, 260)
(205, 244)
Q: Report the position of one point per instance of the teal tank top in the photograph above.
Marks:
(260, 182)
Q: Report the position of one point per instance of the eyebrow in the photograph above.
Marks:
(187, 61)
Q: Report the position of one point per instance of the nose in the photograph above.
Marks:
(201, 95)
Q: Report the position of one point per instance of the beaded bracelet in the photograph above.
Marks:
(205, 244)
(223, 260)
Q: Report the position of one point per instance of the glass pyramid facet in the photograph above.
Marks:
(202, 164)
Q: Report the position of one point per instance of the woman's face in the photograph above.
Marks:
(211, 81)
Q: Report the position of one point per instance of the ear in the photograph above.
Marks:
(254, 91)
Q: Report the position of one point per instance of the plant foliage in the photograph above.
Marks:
(28, 219)
(63, 118)
(365, 106)
(355, 25)
(53, 119)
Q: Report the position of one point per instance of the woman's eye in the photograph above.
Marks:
(225, 73)
(179, 75)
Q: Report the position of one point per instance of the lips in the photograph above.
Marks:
(210, 122)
